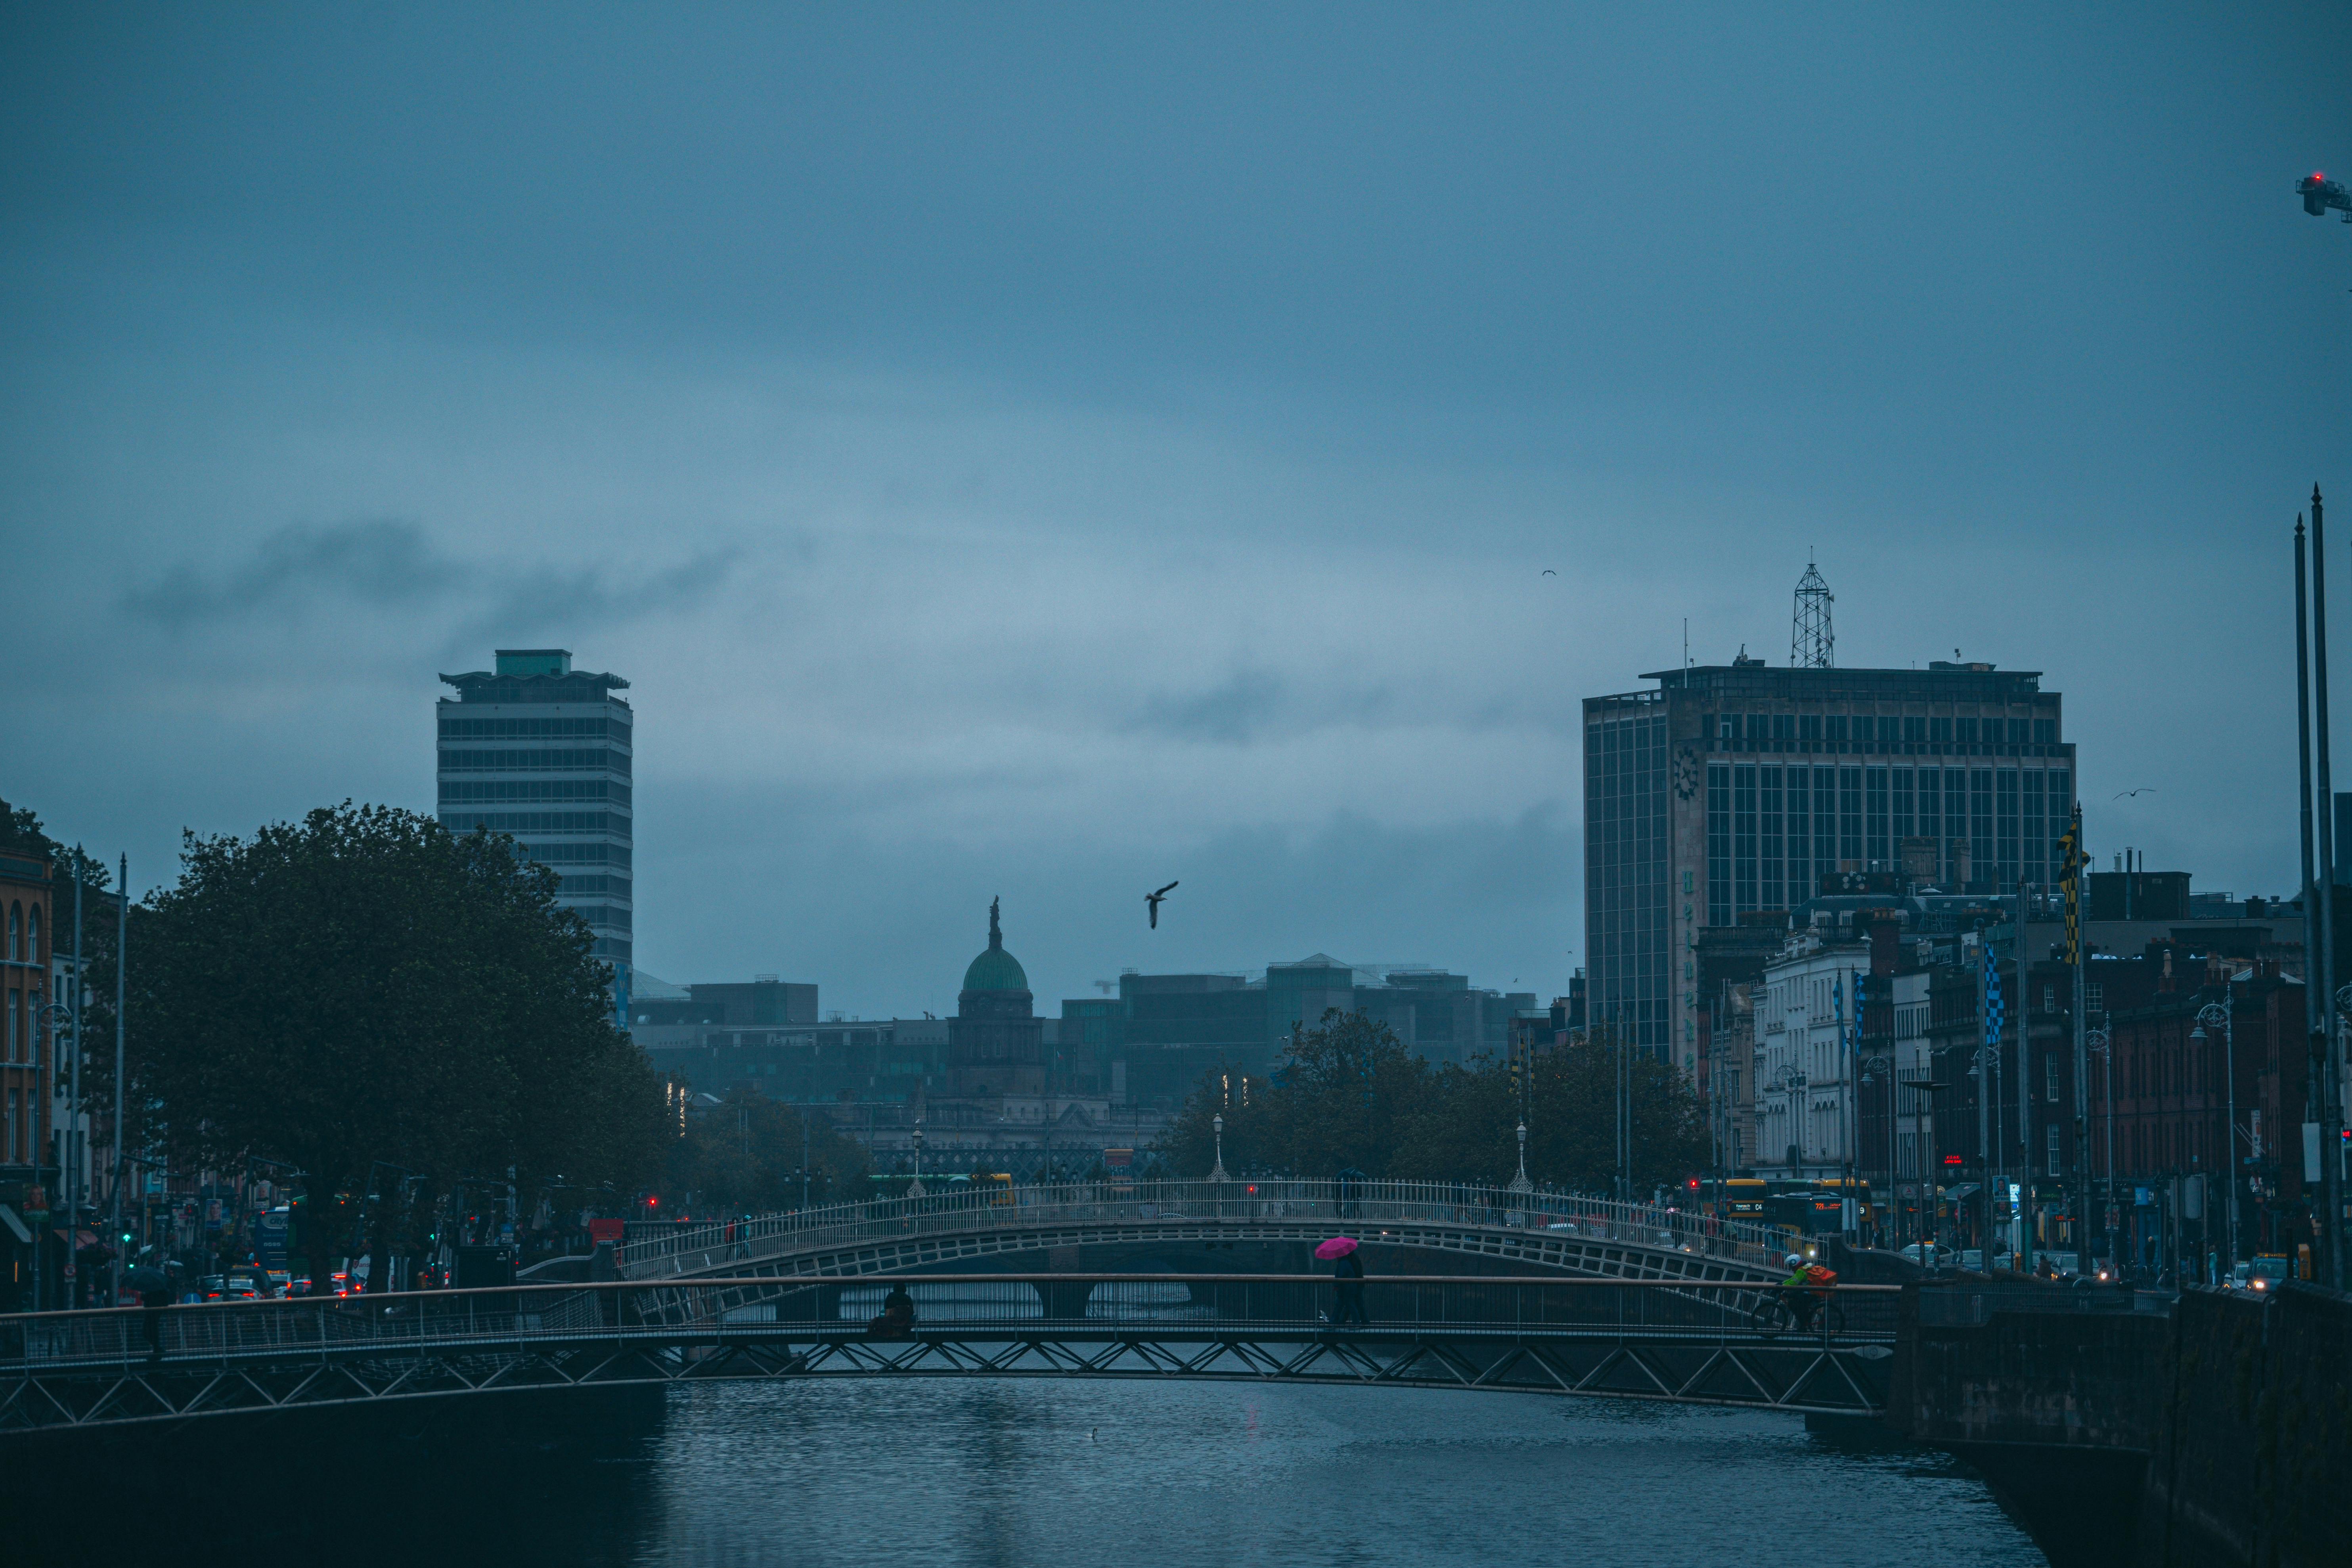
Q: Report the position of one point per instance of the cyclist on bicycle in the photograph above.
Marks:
(1806, 1291)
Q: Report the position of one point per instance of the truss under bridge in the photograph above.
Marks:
(198, 1365)
(1262, 1225)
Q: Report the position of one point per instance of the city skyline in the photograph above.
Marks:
(1202, 532)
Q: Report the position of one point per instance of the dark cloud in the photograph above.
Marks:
(393, 564)
(385, 562)
(1233, 713)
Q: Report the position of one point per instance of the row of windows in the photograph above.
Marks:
(1630, 938)
(462, 791)
(576, 854)
(537, 821)
(23, 934)
(598, 728)
(1887, 729)
(1773, 831)
(594, 882)
(549, 760)
(582, 688)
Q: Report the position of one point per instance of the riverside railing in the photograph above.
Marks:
(955, 1306)
(1344, 1205)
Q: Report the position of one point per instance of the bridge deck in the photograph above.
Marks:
(1621, 1339)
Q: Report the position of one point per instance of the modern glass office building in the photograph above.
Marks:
(540, 751)
(1732, 790)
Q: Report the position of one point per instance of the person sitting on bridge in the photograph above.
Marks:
(1805, 1290)
(897, 1319)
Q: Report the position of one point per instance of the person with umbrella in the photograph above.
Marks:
(154, 1288)
(1348, 1279)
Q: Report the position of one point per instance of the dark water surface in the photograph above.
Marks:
(992, 1472)
(984, 1472)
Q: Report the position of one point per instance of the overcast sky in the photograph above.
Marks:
(1050, 451)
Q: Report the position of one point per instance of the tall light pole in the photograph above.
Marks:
(1217, 1126)
(122, 1168)
(915, 1188)
(2218, 1014)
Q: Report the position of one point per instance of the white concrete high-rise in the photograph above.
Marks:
(540, 751)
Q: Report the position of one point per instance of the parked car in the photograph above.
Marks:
(212, 1288)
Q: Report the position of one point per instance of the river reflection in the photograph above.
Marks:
(995, 1472)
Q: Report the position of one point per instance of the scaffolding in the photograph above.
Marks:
(1811, 642)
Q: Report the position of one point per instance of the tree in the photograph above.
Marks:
(1450, 1123)
(1346, 1094)
(744, 1156)
(367, 986)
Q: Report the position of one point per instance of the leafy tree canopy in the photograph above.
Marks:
(365, 986)
(1347, 1093)
(745, 1156)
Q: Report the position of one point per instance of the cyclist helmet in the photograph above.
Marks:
(1795, 1261)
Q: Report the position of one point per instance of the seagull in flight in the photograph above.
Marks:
(1152, 902)
(2144, 789)
(1550, 572)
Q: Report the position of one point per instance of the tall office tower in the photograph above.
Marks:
(540, 751)
(1733, 790)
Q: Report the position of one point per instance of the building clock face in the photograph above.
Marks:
(1686, 773)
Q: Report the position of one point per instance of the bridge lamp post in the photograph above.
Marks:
(915, 1188)
(1520, 1186)
(1217, 1126)
(2100, 1042)
(1881, 1063)
(2209, 1015)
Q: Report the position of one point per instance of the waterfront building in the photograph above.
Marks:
(540, 751)
(1732, 790)
(24, 1106)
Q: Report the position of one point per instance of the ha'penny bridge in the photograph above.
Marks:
(2091, 1409)
(1471, 1288)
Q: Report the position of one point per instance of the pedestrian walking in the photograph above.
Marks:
(154, 1288)
(1348, 1279)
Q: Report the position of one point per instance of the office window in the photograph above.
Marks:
(1849, 814)
(1905, 817)
(1800, 835)
(2050, 1062)
(1784, 726)
(2020, 731)
(1719, 844)
(1743, 838)
(1876, 847)
(1981, 866)
(1809, 727)
(2053, 1152)
(1770, 871)
(1890, 731)
(1915, 730)
(1837, 726)
(2095, 997)
(1940, 732)
(2050, 1004)
(2045, 731)
(2007, 825)
(1824, 823)
(1964, 731)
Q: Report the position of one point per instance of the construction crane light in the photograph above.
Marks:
(2319, 194)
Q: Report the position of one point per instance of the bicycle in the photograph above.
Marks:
(1775, 1315)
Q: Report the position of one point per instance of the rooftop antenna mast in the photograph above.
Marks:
(1811, 642)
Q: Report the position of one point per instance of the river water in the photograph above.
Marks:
(987, 1472)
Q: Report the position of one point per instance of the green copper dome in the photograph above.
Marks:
(995, 970)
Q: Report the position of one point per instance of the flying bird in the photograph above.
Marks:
(1550, 572)
(2144, 789)
(1152, 902)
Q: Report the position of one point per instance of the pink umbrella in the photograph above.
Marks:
(1338, 1246)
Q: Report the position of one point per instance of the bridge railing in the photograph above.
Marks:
(714, 1311)
(1346, 1206)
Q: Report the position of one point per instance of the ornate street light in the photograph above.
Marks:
(1519, 1184)
(1217, 1125)
(915, 1188)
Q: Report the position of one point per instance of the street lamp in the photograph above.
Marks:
(1217, 1125)
(915, 1188)
(2100, 1042)
(2218, 1013)
(1881, 1062)
(1519, 1184)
